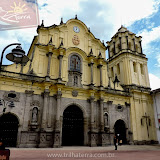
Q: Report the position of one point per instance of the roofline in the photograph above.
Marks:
(64, 24)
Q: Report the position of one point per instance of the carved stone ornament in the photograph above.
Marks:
(15, 96)
(35, 103)
(76, 40)
(74, 93)
(119, 108)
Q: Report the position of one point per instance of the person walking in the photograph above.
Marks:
(115, 142)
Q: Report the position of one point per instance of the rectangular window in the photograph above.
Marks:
(134, 67)
(112, 72)
(118, 68)
(142, 69)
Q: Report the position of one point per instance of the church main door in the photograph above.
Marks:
(9, 129)
(120, 129)
(72, 131)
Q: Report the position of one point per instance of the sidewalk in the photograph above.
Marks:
(108, 148)
(125, 152)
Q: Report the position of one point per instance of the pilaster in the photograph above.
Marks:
(93, 135)
(101, 115)
(129, 134)
(49, 54)
(26, 119)
(102, 134)
(60, 66)
(45, 108)
(57, 123)
(100, 70)
(91, 66)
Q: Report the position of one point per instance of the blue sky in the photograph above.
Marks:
(104, 17)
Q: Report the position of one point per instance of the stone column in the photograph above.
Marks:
(91, 65)
(102, 133)
(134, 44)
(45, 133)
(129, 134)
(100, 69)
(110, 124)
(127, 42)
(60, 66)
(85, 131)
(141, 47)
(92, 113)
(26, 116)
(49, 115)
(120, 43)
(101, 115)
(57, 123)
(49, 54)
(93, 139)
(45, 107)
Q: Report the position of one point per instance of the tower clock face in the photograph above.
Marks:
(76, 29)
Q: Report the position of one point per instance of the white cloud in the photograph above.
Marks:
(154, 81)
(115, 12)
(158, 60)
(149, 36)
(127, 12)
(104, 21)
(53, 11)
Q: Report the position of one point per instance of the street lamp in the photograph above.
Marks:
(9, 103)
(17, 55)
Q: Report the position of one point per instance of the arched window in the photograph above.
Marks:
(75, 63)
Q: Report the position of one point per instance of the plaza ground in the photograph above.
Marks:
(125, 152)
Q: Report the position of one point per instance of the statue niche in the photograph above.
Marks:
(34, 119)
(35, 115)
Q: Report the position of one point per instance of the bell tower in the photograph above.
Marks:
(126, 59)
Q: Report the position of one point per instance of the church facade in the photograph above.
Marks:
(69, 94)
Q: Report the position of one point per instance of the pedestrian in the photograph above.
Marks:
(115, 142)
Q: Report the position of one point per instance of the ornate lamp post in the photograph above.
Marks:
(17, 55)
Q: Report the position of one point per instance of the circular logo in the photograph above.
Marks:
(75, 40)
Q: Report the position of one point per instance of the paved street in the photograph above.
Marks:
(127, 152)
